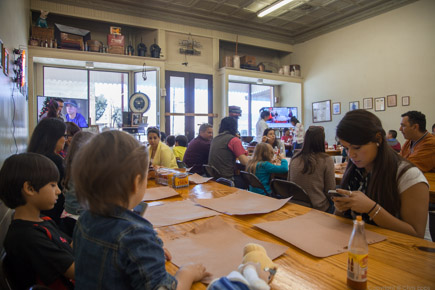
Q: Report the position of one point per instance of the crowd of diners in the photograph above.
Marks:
(73, 191)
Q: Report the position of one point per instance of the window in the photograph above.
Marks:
(148, 87)
(250, 98)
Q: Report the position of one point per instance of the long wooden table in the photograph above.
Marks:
(394, 263)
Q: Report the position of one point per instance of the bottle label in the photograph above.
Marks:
(357, 267)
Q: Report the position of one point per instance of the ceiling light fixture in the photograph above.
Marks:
(274, 7)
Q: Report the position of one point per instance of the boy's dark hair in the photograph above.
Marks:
(264, 114)
(34, 168)
(162, 136)
(228, 124)
(181, 140)
(416, 117)
(285, 130)
(105, 169)
(170, 140)
(153, 130)
(46, 135)
(294, 120)
(393, 133)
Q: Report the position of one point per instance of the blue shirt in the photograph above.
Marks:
(79, 120)
(263, 171)
(119, 252)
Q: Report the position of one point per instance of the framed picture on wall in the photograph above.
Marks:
(5, 59)
(1, 53)
(380, 104)
(336, 108)
(322, 111)
(353, 105)
(136, 119)
(392, 101)
(368, 103)
(405, 101)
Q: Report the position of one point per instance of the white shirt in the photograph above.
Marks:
(261, 126)
(299, 133)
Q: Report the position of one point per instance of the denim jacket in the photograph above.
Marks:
(119, 252)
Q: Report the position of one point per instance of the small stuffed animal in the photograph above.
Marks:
(42, 19)
(255, 273)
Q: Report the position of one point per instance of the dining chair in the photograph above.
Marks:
(211, 171)
(284, 189)
(225, 181)
(4, 280)
(253, 181)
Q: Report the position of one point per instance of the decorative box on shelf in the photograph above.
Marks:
(115, 43)
(42, 34)
(248, 60)
(70, 37)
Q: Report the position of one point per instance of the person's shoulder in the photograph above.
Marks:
(430, 139)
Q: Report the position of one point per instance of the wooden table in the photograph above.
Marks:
(430, 176)
(393, 264)
(333, 152)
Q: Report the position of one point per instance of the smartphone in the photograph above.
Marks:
(335, 193)
(140, 208)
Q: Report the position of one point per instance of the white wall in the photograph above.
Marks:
(393, 53)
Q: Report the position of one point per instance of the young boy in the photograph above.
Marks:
(114, 247)
(37, 252)
(392, 141)
(180, 147)
(170, 141)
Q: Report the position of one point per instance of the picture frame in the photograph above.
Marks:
(353, 105)
(136, 119)
(380, 104)
(368, 103)
(392, 101)
(322, 111)
(5, 57)
(405, 101)
(336, 108)
(1, 53)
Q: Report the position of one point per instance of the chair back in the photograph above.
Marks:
(284, 189)
(253, 181)
(211, 171)
(225, 181)
(181, 164)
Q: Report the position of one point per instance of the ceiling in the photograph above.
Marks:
(294, 23)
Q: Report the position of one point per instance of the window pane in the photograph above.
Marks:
(148, 87)
(261, 96)
(108, 92)
(238, 95)
(177, 105)
(65, 83)
(201, 103)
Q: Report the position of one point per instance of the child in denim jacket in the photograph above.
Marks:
(114, 247)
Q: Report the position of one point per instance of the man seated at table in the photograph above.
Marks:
(419, 147)
(198, 149)
(225, 149)
(392, 141)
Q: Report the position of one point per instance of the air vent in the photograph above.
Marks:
(305, 7)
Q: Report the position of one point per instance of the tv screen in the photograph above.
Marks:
(280, 116)
(74, 110)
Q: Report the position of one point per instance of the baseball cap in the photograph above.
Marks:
(72, 103)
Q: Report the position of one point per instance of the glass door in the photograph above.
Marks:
(188, 104)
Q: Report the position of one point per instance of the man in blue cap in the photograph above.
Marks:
(73, 116)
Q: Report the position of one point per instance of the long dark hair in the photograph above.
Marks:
(228, 124)
(314, 144)
(266, 131)
(52, 109)
(359, 127)
(46, 135)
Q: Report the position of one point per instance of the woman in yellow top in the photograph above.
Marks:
(160, 154)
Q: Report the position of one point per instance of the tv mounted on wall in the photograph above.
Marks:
(78, 106)
(280, 116)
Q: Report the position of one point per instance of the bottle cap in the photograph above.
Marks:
(359, 218)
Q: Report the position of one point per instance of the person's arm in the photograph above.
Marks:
(167, 158)
(329, 176)
(271, 168)
(235, 145)
(413, 209)
(424, 159)
(70, 272)
(189, 274)
(243, 159)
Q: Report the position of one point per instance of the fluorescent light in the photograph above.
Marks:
(272, 8)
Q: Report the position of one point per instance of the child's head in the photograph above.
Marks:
(170, 140)
(263, 152)
(392, 134)
(287, 132)
(181, 140)
(71, 130)
(77, 142)
(106, 170)
(48, 137)
(35, 169)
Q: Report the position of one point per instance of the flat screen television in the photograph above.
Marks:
(78, 106)
(280, 116)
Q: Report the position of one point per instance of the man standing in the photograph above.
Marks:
(419, 147)
(261, 125)
(60, 108)
(198, 149)
(73, 116)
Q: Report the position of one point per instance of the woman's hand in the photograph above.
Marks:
(264, 139)
(354, 200)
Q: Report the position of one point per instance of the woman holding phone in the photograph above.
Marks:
(378, 183)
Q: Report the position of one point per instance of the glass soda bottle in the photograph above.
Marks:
(357, 260)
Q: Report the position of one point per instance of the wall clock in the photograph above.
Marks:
(139, 103)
